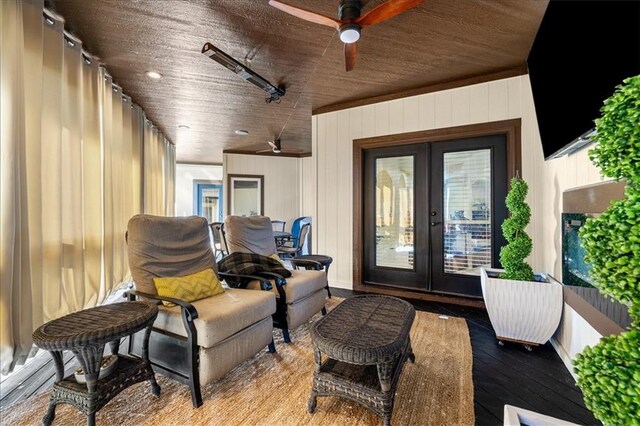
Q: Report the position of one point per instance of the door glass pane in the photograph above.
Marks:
(394, 212)
(210, 204)
(467, 206)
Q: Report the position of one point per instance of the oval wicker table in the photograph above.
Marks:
(85, 333)
(365, 340)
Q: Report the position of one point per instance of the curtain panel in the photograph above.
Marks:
(78, 159)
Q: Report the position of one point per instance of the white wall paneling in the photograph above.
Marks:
(333, 134)
(282, 177)
(185, 175)
(572, 336)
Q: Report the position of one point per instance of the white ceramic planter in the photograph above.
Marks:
(522, 311)
(516, 416)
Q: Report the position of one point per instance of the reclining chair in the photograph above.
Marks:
(299, 297)
(197, 342)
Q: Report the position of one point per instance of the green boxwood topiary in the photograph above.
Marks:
(519, 243)
(609, 376)
(612, 247)
(617, 150)
(609, 373)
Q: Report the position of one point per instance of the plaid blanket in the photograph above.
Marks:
(250, 264)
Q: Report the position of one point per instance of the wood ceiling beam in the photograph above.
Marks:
(467, 81)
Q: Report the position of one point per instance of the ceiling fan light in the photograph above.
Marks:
(350, 33)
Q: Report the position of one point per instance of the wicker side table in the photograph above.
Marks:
(85, 333)
(365, 341)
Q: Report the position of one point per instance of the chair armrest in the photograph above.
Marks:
(307, 263)
(280, 283)
(264, 283)
(188, 308)
(280, 280)
(188, 311)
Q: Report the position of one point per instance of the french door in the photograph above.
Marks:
(432, 213)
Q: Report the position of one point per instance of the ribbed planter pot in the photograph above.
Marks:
(526, 312)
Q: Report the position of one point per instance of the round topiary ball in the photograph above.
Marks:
(617, 137)
(612, 247)
(609, 377)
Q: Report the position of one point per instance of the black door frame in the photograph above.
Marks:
(510, 128)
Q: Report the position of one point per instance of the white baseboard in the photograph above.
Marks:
(564, 356)
(347, 285)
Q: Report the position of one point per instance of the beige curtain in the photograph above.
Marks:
(73, 172)
(159, 172)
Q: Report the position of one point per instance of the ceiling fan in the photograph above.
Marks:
(276, 148)
(350, 21)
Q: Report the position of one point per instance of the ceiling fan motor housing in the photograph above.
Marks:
(349, 9)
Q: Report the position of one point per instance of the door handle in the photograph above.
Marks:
(435, 223)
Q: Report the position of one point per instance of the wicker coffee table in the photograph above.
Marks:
(365, 340)
(85, 333)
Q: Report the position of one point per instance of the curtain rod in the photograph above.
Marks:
(51, 18)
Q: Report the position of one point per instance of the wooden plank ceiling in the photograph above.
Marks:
(439, 41)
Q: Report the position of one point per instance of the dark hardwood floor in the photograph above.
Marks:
(536, 381)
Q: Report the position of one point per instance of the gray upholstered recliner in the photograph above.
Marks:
(302, 296)
(201, 341)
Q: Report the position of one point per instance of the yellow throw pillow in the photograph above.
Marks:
(189, 287)
(276, 257)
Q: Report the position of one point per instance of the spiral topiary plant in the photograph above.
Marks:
(519, 243)
(609, 373)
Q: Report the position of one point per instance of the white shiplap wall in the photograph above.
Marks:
(333, 134)
(282, 188)
(185, 175)
(330, 173)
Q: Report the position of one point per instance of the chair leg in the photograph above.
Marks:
(285, 335)
(324, 311)
(194, 373)
(272, 347)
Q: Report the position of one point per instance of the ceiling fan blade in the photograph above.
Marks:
(386, 11)
(263, 150)
(350, 55)
(272, 144)
(306, 14)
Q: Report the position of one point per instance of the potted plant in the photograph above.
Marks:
(523, 307)
(609, 373)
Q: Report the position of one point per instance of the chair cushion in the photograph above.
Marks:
(301, 284)
(249, 234)
(220, 316)
(167, 247)
(189, 287)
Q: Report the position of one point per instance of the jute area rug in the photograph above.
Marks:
(273, 389)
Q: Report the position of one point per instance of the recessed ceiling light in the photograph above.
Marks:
(154, 74)
(183, 127)
(242, 132)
